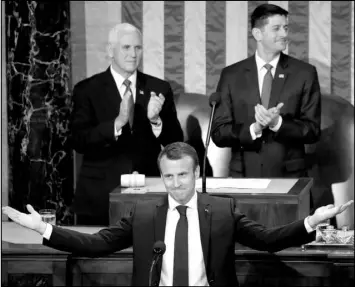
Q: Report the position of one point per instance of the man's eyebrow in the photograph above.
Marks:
(278, 25)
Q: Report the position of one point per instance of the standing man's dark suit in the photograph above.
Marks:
(221, 225)
(274, 154)
(96, 104)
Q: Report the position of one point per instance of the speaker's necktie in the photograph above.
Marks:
(181, 256)
(127, 83)
(267, 84)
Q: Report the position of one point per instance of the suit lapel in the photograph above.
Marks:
(159, 220)
(113, 97)
(204, 214)
(251, 75)
(142, 94)
(281, 74)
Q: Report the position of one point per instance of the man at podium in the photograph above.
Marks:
(199, 231)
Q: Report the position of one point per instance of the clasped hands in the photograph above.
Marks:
(266, 117)
(154, 107)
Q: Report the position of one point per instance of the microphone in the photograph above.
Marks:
(158, 251)
(214, 100)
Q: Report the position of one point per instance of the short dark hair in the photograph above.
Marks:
(261, 13)
(178, 150)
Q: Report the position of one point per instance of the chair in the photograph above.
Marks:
(344, 191)
(193, 112)
(331, 158)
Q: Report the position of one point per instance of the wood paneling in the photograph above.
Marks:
(291, 267)
(268, 207)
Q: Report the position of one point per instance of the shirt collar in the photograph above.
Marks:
(119, 79)
(191, 204)
(260, 62)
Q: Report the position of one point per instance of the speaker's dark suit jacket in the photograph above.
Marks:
(221, 225)
(105, 158)
(280, 154)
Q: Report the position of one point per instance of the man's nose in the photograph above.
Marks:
(176, 182)
(133, 53)
(283, 32)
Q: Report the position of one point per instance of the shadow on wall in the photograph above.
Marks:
(194, 138)
(193, 112)
(330, 158)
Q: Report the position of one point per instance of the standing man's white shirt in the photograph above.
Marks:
(260, 63)
(197, 270)
(122, 89)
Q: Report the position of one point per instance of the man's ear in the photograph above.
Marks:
(197, 171)
(109, 49)
(256, 32)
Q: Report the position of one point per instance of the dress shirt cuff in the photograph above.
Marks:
(157, 127)
(307, 226)
(277, 126)
(117, 132)
(254, 135)
(48, 232)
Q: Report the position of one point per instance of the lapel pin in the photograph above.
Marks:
(207, 210)
(141, 92)
(281, 76)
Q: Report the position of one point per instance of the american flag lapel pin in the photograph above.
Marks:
(141, 92)
(281, 76)
(207, 210)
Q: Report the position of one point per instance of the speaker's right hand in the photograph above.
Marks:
(32, 221)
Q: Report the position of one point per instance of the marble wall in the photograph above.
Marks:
(39, 105)
(3, 153)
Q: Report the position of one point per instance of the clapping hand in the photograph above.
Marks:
(31, 221)
(268, 117)
(125, 111)
(324, 213)
(154, 106)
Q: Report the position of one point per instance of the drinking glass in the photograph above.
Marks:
(48, 216)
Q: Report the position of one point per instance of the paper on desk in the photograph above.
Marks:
(245, 183)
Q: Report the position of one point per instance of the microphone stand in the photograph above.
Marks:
(213, 103)
(154, 262)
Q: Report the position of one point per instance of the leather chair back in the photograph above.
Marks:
(194, 113)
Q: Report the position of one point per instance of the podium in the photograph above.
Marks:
(26, 262)
(282, 202)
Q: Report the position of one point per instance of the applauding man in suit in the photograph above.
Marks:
(120, 120)
(270, 104)
(199, 230)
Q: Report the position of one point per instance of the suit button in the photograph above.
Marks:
(264, 142)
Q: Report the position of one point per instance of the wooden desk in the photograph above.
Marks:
(282, 202)
(25, 262)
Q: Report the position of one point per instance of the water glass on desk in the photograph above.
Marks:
(320, 230)
(48, 216)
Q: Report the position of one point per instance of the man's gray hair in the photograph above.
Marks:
(118, 30)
